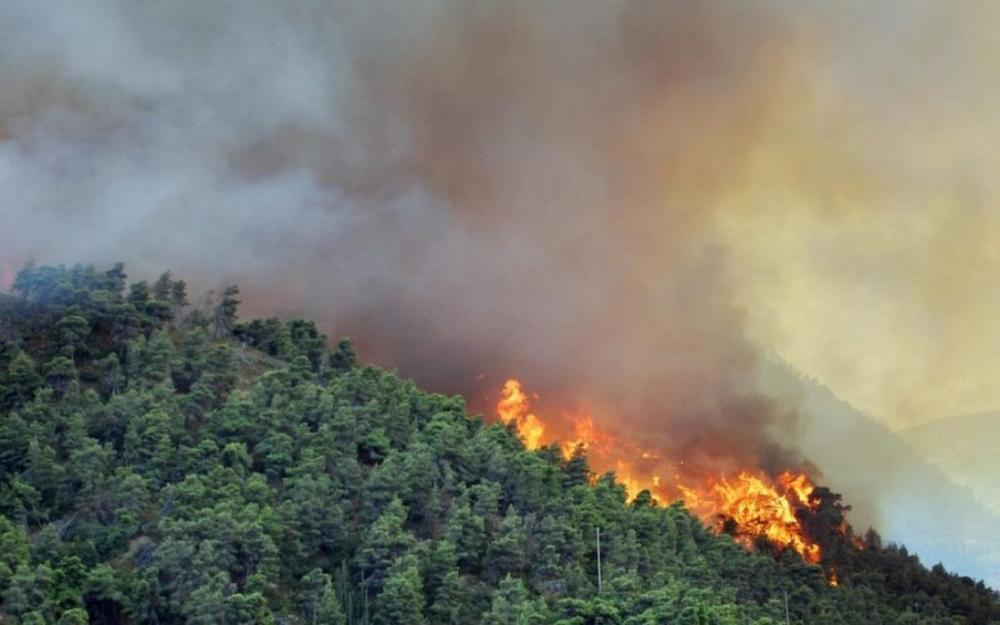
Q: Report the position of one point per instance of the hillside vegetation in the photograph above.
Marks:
(161, 465)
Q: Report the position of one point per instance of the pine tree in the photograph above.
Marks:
(512, 605)
(402, 600)
(318, 602)
(467, 532)
(156, 359)
(344, 357)
(506, 553)
(224, 313)
(115, 279)
(22, 380)
(385, 541)
(112, 375)
(178, 299)
(163, 286)
(577, 472)
(60, 374)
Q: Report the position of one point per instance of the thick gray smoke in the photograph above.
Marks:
(516, 189)
(557, 191)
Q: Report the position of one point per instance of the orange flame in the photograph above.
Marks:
(749, 505)
(515, 408)
(584, 432)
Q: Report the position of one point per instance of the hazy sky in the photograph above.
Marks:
(887, 288)
(642, 195)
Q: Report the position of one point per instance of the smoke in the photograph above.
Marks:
(595, 198)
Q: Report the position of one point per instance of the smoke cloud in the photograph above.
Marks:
(624, 204)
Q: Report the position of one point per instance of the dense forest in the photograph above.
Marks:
(167, 463)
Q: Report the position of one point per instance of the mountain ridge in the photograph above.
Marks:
(892, 486)
(965, 447)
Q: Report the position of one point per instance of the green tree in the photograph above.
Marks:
(71, 334)
(22, 380)
(178, 299)
(154, 473)
(115, 279)
(310, 506)
(224, 312)
(402, 600)
(14, 550)
(207, 602)
(112, 375)
(467, 532)
(512, 605)
(344, 356)
(455, 601)
(576, 472)
(385, 541)
(157, 359)
(318, 602)
(506, 553)
(60, 374)
(74, 616)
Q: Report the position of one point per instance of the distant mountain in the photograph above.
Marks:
(966, 448)
(891, 486)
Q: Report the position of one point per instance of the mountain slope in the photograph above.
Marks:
(966, 448)
(909, 499)
(165, 468)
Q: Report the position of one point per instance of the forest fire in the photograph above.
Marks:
(749, 505)
(515, 408)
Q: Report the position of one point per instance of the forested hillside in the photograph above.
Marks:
(165, 464)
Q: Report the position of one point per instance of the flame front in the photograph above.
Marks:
(515, 408)
(749, 505)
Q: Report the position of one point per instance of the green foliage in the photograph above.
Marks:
(318, 602)
(163, 468)
(513, 605)
(224, 312)
(21, 381)
(344, 357)
(402, 599)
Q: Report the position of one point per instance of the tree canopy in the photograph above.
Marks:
(166, 465)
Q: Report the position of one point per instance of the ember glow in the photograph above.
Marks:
(515, 408)
(749, 506)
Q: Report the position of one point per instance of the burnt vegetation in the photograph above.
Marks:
(167, 464)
